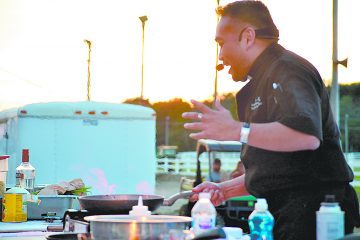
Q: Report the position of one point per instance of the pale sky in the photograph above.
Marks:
(43, 56)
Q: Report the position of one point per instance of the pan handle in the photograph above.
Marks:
(181, 195)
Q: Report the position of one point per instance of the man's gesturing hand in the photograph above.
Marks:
(216, 124)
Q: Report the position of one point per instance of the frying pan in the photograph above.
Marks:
(123, 203)
(68, 236)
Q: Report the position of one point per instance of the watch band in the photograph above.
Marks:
(245, 131)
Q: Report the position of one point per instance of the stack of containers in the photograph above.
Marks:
(3, 173)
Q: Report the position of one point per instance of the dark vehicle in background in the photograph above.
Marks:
(235, 211)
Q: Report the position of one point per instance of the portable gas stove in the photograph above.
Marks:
(123, 226)
(74, 222)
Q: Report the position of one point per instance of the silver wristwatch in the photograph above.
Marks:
(245, 131)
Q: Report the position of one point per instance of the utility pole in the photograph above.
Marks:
(88, 61)
(334, 94)
(143, 19)
(346, 133)
(167, 128)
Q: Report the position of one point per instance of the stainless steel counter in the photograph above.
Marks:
(31, 230)
(24, 235)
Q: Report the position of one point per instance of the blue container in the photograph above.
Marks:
(261, 222)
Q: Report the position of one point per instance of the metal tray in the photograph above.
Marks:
(52, 205)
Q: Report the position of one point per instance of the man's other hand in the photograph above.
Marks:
(217, 196)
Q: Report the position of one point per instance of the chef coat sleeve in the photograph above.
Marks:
(298, 96)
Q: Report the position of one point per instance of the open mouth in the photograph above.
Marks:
(230, 70)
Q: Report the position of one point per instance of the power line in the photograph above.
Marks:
(18, 77)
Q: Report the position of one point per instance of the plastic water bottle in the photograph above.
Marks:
(329, 220)
(25, 173)
(261, 222)
(203, 214)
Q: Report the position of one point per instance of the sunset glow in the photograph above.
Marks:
(43, 56)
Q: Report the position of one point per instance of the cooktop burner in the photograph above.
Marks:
(73, 221)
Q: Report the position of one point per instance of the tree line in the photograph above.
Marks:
(170, 130)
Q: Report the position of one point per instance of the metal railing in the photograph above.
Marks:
(185, 164)
(353, 159)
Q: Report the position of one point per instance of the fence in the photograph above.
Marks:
(185, 164)
(353, 160)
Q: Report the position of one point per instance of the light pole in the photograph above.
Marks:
(217, 60)
(143, 19)
(88, 61)
(167, 128)
(346, 133)
(334, 94)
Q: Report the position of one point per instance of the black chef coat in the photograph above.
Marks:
(286, 88)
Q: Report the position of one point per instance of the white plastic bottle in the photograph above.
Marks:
(261, 222)
(140, 210)
(203, 214)
(25, 173)
(329, 220)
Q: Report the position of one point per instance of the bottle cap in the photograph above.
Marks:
(204, 195)
(25, 155)
(4, 157)
(330, 198)
(17, 190)
(4, 167)
(140, 209)
(261, 204)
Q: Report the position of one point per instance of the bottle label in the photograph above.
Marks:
(14, 208)
(19, 175)
(202, 223)
(25, 174)
(20, 179)
(25, 179)
(329, 225)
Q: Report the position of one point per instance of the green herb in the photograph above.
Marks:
(81, 191)
(35, 192)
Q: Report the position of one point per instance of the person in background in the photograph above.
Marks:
(215, 173)
(239, 170)
(291, 148)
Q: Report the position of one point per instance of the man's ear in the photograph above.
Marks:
(249, 35)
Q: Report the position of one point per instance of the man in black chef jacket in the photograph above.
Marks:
(291, 150)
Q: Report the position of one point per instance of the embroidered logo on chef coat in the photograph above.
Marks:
(257, 103)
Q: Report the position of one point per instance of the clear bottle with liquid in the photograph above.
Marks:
(25, 173)
(329, 220)
(261, 222)
(203, 214)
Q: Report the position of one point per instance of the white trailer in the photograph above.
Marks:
(110, 146)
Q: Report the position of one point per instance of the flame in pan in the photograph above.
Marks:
(133, 231)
